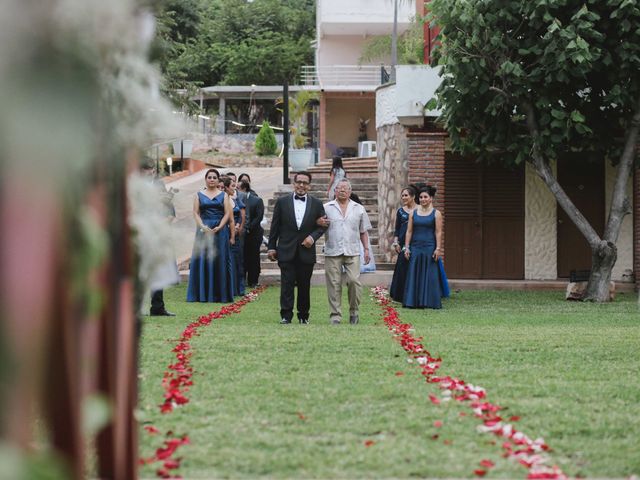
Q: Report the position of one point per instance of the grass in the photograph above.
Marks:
(301, 401)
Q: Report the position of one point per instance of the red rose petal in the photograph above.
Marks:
(479, 472)
(435, 400)
(437, 423)
(487, 463)
(368, 443)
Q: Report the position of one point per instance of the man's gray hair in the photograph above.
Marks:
(344, 180)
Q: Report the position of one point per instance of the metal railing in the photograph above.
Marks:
(343, 75)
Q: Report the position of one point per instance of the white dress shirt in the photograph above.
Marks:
(299, 208)
(343, 235)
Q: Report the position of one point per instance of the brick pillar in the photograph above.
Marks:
(636, 226)
(426, 162)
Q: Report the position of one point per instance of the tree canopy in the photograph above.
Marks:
(533, 80)
(235, 42)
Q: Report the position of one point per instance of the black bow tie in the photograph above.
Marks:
(302, 198)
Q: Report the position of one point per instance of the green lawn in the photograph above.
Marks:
(301, 401)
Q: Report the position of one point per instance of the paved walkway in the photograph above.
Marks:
(264, 181)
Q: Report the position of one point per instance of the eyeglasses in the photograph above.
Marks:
(301, 182)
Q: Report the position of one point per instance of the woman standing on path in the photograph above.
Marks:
(337, 174)
(408, 198)
(426, 281)
(211, 272)
(239, 216)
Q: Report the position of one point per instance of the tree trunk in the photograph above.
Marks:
(604, 252)
(603, 258)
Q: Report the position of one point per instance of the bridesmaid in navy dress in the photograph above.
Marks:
(239, 210)
(211, 272)
(408, 197)
(426, 281)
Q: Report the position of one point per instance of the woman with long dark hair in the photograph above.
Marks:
(426, 281)
(408, 198)
(211, 272)
(337, 174)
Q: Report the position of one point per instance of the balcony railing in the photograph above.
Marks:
(344, 75)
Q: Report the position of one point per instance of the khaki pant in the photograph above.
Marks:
(333, 276)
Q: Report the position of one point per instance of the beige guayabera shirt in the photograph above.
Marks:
(343, 235)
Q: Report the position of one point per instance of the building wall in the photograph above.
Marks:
(342, 119)
(342, 50)
(373, 16)
(540, 229)
(625, 239)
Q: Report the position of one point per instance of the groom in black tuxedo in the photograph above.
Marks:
(295, 228)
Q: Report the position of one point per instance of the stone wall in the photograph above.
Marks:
(625, 238)
(393, 169)
(636, 225)
(540, 228)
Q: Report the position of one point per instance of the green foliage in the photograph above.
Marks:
(568, 369)
(266, 143)
(410, 46)
(299, 107)
(550, 76)
(242, 43)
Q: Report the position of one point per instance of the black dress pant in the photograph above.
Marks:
(295, 274)
(252, 243)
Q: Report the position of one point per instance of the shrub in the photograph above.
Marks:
(266, 143)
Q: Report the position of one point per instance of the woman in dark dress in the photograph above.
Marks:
(426, 281)
(237, 248)
(211, 271)
(408, 197)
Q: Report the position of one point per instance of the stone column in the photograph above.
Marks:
(636, 226)
(392, 178)
(222, 115)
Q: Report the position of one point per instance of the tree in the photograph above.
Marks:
(532, 81)
(266, 143)
(242, 43)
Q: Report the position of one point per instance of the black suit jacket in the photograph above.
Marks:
(286, 238)
(255, 212)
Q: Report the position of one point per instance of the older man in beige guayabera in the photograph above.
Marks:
(348, 228)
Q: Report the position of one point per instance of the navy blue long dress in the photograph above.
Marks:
(211, 271)
(426, 281)
(396, 290)
(237, 250)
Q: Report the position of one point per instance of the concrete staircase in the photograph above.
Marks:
(363, 175)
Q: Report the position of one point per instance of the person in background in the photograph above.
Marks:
(426, 281)
(348, 230)
(210, 278)
(170, 270)
(292, 239)
(337, 174)
(237, 248)
(408, 198)
(364, 266)
(254, 232)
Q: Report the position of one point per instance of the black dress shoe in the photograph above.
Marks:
(304, 321)
(162, 313)
(284, 321)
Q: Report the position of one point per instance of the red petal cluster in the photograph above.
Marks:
(176, 382)
(527, 452)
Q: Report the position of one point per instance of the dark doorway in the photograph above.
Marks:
(583, 181)
(484, 220)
